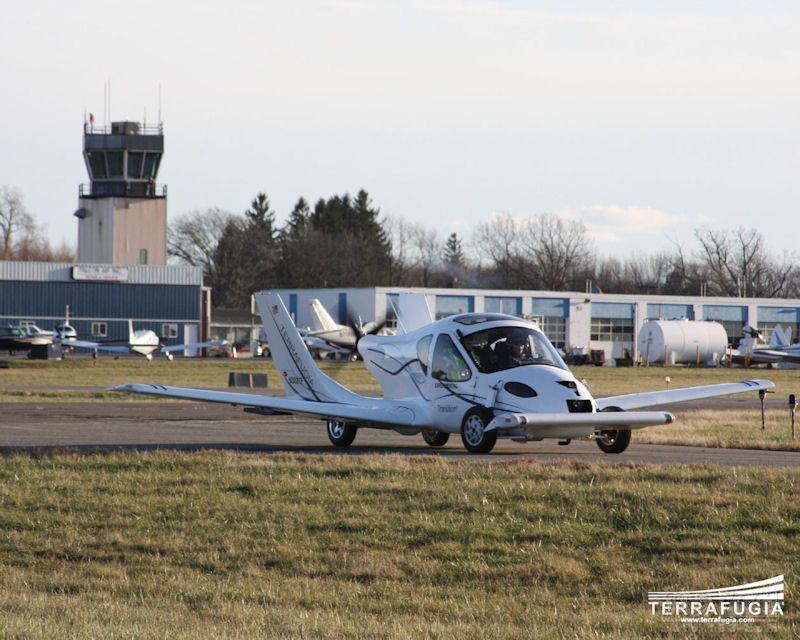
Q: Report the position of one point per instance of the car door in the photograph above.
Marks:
(450, 383)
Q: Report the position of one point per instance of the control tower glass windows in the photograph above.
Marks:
(151, 161)
(114, 164)
(135, 161)
(97, 163)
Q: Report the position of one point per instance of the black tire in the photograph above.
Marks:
(473, 434)
(613, 440)
(341, 433)
(435, 438)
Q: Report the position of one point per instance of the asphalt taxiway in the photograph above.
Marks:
(188, 426)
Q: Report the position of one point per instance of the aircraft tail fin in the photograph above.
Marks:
(321, 318)
(412, 312)
(750, 339)
(781, 337)
(131, 336)
(302, 379)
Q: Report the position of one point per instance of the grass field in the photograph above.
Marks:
(26, 381)
(154, 545)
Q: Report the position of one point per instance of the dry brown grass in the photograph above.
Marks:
(155, 545)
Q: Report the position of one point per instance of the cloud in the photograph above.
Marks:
(611, 223)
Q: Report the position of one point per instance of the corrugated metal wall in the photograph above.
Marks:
(137, 274)
(99, 300)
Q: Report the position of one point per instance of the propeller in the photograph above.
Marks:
(357, 327)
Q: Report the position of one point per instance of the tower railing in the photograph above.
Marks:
(122, 189)
(93, 128)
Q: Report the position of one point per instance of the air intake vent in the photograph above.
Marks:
(579, 406)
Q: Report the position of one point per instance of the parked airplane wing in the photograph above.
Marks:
(98, 346)
(775, 355)
(193, 345)
(608, 420)
(379, 412)
(653, 398)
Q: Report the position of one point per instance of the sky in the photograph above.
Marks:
(643, 119)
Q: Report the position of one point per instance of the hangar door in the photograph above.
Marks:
(191, 333)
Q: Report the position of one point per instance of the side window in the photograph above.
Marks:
(447, 361)
(424, 353)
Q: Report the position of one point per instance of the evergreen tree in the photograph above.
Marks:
(298, 219)
(453, 251)
(261, 216)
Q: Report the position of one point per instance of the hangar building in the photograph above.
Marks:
(610, 322)
(171, 301)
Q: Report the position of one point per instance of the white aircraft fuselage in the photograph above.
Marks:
(526, 385)
(144, 342)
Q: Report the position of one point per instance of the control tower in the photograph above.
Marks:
(122, 213)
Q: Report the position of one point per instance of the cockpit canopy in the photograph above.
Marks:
(501, 348)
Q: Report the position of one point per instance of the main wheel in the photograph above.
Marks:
(341, 433)
(473, 432)
(435, 438)
(613, 440)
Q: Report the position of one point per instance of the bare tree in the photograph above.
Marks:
(404, 260)
(13, 219)
(552, 252)
(428, 250)
(193, 237)
(738, 263)
(496, 241)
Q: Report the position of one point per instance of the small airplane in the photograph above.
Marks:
(753, 351)
(64, 330)
(327, 336)
(483, 375)
(144, 342)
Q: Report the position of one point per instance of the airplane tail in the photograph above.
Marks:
(131, 336)
(302, 379)
(321, 318)
(781, 337)
(412, 312)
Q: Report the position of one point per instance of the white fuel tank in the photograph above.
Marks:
(682, 342)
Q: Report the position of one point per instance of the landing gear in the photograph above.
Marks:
(473, 432)
(613, 440)
(435, 438)
(341, 433)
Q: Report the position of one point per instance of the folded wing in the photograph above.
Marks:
(655, 398)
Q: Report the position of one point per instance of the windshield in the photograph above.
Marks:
(504, 348)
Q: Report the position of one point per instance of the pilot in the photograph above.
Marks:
(520, 349)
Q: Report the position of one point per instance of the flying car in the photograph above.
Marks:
(484, 376)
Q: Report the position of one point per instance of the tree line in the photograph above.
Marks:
(344, 241)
